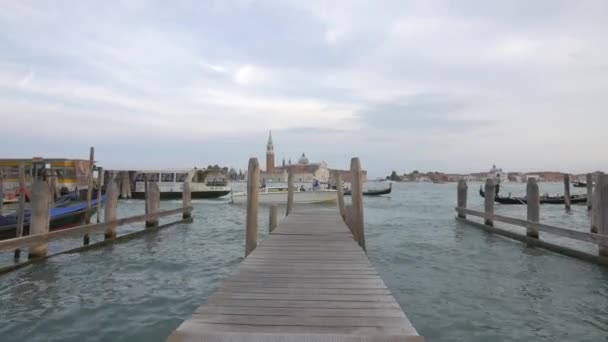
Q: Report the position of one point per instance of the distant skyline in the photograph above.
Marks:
(428, 85)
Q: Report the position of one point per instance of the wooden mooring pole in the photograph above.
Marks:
(186, 201)
(89, 213)
(589, 180)
(348, 219)
(129, 182)
(595, 203)
(603, 213)
(489, 202)
(289, 191)
(90, 186)
(567, 191)
(462, 197)
(1, 188)
(40, 215)
(340, 192)
(21, 208)
(152, 203)
(533, 206)
(357, 201)
(272, 218)
(110, 209)
(122, 185)
(253, 181)
(99, 194)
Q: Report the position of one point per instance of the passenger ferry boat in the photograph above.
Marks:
(203, 183)
(278, 195)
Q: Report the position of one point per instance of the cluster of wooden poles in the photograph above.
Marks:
(352, 214)
(597, 201)
(39, 237)
(124, 184)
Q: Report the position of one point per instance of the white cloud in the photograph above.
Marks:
(250, 75)
(25, 80)
(514, 49)
(332, 36)
(213, 67)
(412, 26)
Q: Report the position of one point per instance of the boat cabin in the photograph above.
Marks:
(172, 180)
(71, 174)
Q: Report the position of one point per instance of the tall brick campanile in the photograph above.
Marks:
(269, 154)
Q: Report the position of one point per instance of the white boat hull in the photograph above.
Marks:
(299, 197)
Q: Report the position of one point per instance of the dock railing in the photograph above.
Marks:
(599, 225)
(39, 237)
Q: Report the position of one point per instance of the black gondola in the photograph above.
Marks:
(574, 199)
(373, 192)
(579, 184)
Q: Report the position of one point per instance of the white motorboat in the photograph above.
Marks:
(278, 195)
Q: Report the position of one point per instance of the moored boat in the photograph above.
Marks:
(203, 183)
(579, 184)
(68, 174)
(545, 199)
(64, 216)
(278, 195)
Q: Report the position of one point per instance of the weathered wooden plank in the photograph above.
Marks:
(303, 285)
(315, 276)
(298, 290)
(299, 279)
(195, 331)
(318, 312)
(328, 260)
(303, 296)
(327, 304)
(314, 264)
(307, 268)
(267, 267)
(351, 321)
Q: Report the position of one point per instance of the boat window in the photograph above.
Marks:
(166, 177)
(69, 173)
(199, 177)
(181, 177)
(153, 177)
(140, 177)
(12, 172)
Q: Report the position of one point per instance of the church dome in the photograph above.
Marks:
(303, 159)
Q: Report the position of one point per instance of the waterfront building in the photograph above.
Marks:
(304, 171)
(497, 175)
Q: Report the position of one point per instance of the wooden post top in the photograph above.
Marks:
(462, 184)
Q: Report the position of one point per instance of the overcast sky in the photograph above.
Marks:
(451, 86)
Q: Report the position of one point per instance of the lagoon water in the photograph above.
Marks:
(455, 282)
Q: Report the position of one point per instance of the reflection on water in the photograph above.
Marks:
(455, 282)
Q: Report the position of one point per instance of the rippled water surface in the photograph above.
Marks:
(455, 282)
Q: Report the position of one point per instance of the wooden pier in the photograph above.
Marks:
(308, 281)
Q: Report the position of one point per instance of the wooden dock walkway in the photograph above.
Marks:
(308, 281)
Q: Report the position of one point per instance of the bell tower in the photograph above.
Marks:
(269, 154)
